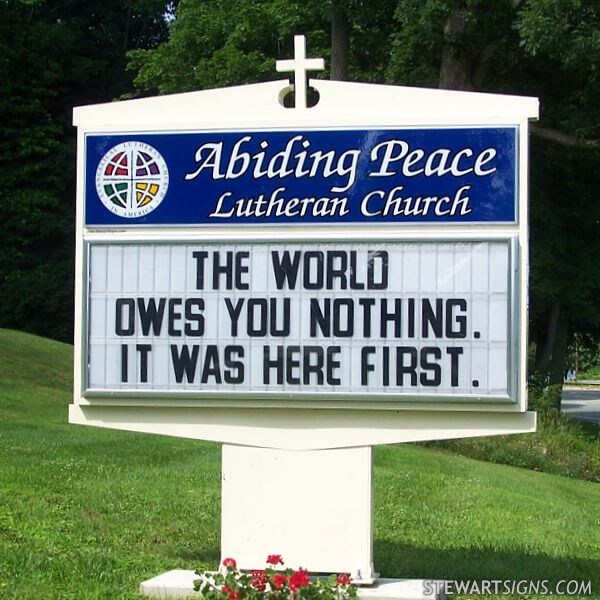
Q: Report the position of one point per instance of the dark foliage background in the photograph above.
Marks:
(53, 55)
(57, 54)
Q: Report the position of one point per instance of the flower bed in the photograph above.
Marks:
(274, 582)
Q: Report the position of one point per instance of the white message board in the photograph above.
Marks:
(394, 320)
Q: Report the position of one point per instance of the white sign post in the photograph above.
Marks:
(301, 284)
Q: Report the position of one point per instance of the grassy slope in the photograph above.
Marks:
(89, 513)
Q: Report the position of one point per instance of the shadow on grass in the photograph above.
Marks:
(405, 561)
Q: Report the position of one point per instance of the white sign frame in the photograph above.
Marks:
(321, 399)
(278, 424)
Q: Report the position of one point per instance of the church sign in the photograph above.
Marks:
(366, 256)
(301, 284)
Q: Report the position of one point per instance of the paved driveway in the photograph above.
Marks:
(582, 403)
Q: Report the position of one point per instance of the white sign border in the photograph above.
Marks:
(212, 109)
(313, 399)
(315, 224)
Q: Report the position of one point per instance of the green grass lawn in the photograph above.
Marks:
(89, 513)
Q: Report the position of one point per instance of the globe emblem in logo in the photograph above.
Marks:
(132, 179)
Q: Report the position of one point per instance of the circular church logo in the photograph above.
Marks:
(132, 179)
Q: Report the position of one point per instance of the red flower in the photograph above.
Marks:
(230, 593)
(279, 581)
(274, 559)
(343, 579)
(299, 579)
(259, 580)
(229, 563)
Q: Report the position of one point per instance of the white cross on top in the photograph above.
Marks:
(300, 65)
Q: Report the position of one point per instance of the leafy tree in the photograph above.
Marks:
(545, 48)
(565, 273)
(566, 34)
(218, 43)
(35, 172)
(53, 56)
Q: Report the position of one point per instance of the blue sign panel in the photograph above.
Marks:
(401, 176)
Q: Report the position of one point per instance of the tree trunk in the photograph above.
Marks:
(552, 348)
(126, 29)
(544, 350)
(455, 69)
(559, 351)
(463, 69)
(340, 41)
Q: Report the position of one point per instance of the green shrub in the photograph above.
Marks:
(561, 445)
(593, 373)
(547, 400)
